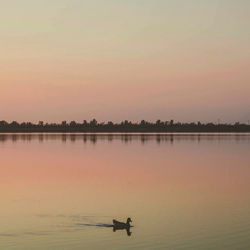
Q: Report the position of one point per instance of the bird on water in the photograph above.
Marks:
(122, 225)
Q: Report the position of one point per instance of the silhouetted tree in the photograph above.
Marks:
(93, 122)
(14, 124)
(3, 123)
(64, 123)
(72, 124)
(158, 122)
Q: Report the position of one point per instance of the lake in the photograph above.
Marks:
(182, 191)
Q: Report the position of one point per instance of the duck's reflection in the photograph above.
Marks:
(127, 230)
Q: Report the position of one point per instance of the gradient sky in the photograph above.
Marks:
(115, 60)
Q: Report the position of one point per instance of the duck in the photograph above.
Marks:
(122, 225)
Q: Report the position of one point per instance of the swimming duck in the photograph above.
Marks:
(122, 225)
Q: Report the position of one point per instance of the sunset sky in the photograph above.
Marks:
(187, 60)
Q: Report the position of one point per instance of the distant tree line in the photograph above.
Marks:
(124, 126)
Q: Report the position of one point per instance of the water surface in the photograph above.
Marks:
(182, 191)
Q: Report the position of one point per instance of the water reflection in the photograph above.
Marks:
(186, 191)
(101, 225)
(125, 138)
(126, 229)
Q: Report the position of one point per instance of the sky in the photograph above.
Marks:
(187, 60)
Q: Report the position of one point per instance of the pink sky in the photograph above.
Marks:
(69, 60)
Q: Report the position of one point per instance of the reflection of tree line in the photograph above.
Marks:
(125, 126)
(125, 138)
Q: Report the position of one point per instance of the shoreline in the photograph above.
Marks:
(126, 133)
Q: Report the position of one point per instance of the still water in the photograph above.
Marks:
(182, 191)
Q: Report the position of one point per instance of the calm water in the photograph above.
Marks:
(181, 191)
